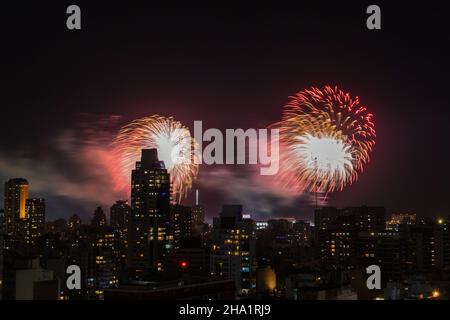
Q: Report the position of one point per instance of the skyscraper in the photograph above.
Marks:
(1, 264)
(182, 219)
(119, 220)
(34, 220)
(16, 194)
(233, 248)
(99, 219)
(197, 211)
(74, 225)
(150, 211)
(102, 264)
(2, 221)
(337, 232)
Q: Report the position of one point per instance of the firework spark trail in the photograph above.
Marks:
(173, 142)
(326, 138)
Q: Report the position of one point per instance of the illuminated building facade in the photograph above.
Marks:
(301, 234)
(183, 221)
(16, 194)
(197, 214)
(150, 212)
(400, 219)
(35, 219)
(426, 246)
(233, 249)
(102, 270)
(336, 233)
(119, 220)
(366, 218)
(392, 251)
(443, 244)
(74, 225)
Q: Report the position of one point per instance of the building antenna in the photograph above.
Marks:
(315, 187)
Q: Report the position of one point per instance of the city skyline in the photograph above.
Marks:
(155, 248)
(17, 189)
(236, 73)
(235, 159)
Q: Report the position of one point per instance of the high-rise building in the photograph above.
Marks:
(2, 246)
(367, 218)
(16, 194)
(119, 220)
(34, 220)
(2, 221)
(233, 249)
(337, 233)
(99, 219)
(74, 225)
(324, 219)
(301, 234)
(150, 212)
(102, 266)
(442, 244)
(426, 244)
(363, 218)
(392, 251)
(198, 216)
(400, 219)
(182, 217)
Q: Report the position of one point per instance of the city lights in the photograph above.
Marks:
(240, 157)
(436, 294)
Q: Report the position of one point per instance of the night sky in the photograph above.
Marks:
(65, 93)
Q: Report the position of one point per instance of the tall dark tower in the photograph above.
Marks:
(16, 194)
(119, 219)
(99, 219)
(197, 211)
(120, 223)
(150, 207)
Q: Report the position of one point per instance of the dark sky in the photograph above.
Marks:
(230, 65)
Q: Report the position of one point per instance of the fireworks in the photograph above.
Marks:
(326, 138)
(173, 142)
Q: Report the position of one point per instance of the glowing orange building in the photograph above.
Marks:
(16, 194)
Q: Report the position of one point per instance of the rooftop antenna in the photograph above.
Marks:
(317, 170)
